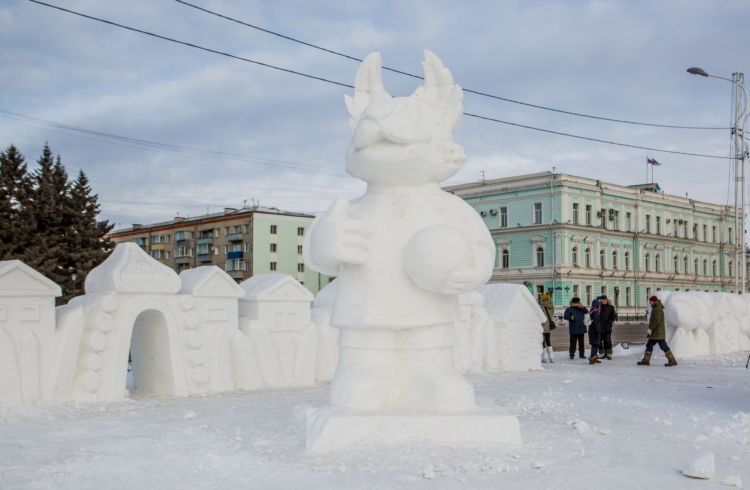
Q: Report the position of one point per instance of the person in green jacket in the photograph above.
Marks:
(657, 334)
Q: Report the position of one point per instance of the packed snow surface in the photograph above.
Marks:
(613, 424)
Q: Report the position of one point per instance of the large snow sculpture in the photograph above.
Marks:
(402, 251)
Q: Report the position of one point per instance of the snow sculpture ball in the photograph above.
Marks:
(421, 255)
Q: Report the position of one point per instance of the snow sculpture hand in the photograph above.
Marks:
(336, 239)
(440, 259)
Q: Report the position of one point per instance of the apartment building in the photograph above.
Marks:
(243, 242)
(584, 237)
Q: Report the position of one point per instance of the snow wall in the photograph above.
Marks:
(700, 323)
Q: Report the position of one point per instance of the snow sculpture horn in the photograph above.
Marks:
(440, 89)
(368, 87)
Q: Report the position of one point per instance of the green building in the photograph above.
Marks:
(584, 237)
(243, 242)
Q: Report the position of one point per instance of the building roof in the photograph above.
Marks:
(18, 279)
(228, 213)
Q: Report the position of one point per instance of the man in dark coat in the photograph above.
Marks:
(607, 317)
(657, 333)
(595, 332)
(575, 314)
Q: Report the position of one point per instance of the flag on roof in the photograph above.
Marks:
(651, 161)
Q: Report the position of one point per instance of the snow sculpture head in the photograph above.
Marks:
(404, 140)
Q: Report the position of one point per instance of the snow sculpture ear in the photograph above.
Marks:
(440, 90)
(368, 87)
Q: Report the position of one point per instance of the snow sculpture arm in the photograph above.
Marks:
(443, 259)
(335, 239)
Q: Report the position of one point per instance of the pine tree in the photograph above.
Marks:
(15, 190)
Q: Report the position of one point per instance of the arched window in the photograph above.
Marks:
(627, 261)
(657, 262)
(731, 269)
(647, 262)
(696, 270)
(713, 268)
(539, 257)
(614, 259)
(705, 267)
(588, 257)
(676, 264)
(574, 256)
(685, 265)
(506, 258)
(602, 259)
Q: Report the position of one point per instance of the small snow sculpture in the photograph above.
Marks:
(275, 316)
(403, 250)
(699, 467)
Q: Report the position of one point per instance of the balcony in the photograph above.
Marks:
(203, 240)
(158, 246)
(237, 274)
(235, 255)
(183, 243)
(235, 237)
(204, 257)
(183, 259)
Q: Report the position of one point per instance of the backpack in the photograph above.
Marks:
(587, 319)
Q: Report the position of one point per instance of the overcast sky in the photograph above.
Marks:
(163, 129)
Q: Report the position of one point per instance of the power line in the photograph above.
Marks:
(559, 133)
(471, 91)
(155, 145)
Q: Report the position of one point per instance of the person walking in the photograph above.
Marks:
(545, 303)
(575, 314)
(595, 331)
(656, 334)
(607, 317)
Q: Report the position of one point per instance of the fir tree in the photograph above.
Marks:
(15, 190)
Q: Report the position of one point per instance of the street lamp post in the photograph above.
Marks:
(739, 170)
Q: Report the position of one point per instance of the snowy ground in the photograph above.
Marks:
(613, 425)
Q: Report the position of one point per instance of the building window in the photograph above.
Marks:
(602, 259)
(614, 216)
(614, 259)
(537, 213)
(713, 234)
(731, 236)
(705, 233)
(603, 218)
(731, 269)
(604, 291)
(504, 217)
(539, 257)
(647, 260)
(627, 261)
(575, 289)
(648, 223)
(300, 267)
(575, 212)
(587, 257)
(676, 264)
(300, 231)
(273, 229)
(574, 256)
(627, 296)
(713, 268)
(588, 214)
(658, 225)
(695, 231)
(506, 258)
(299, 249)
(696, 270)
(539, 291)
(628, 222)
(657, 263)
(648, 292)
(685, 265)
(273, 266)
(705, 267)
(273, 247)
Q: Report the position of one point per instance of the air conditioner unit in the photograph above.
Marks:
(483, 213)
(493, 212)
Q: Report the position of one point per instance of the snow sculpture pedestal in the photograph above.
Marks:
(329, 428)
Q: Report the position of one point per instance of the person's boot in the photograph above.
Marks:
(646, 361)
(670, 358)
(609, 354)
(594, 359)
(549, 353)
(544, 352)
